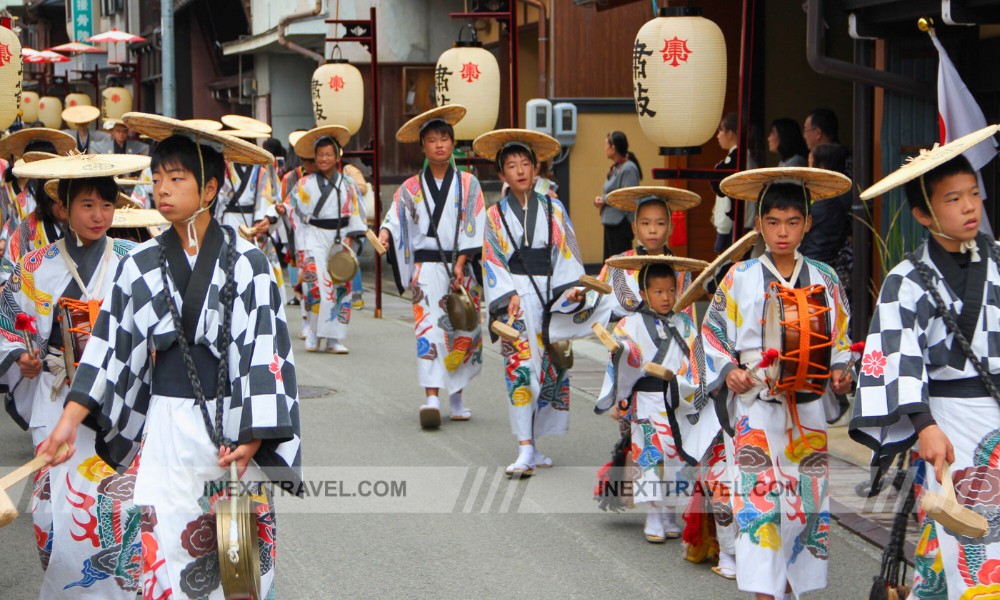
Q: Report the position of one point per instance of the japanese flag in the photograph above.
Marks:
(958, 115)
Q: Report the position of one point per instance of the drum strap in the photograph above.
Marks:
(440, 199)
(765, 260)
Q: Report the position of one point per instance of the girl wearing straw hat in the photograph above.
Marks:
(931, 366)
(86, 525)
(532, 268)
(434, 233)
(220, 395)
(777, 426)
(329, 218)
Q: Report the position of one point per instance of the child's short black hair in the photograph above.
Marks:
(105, 188)
(323, 142)
(181, 151)
(783, 196)
(513, 149)
(437, 125)
(655, 271)
(656, 201)
(40, 145)
(915, 190)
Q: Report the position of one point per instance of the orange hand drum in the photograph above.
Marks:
(76, 320)
(797, 324)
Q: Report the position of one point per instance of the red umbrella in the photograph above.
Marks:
(27, 53)
(47, 56)
(77, 48)
(115, 36)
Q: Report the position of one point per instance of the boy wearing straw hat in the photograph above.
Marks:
(79, 119)
(434, 233)
(220, 396)
(931, 366)
(777, 423)
(119, 140)
(68, 278)
(532, 268)
(329, 218)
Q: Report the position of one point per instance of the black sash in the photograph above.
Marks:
(193, 286)
(439, 196)
(243, 171)
(170, 376)
(535, 261)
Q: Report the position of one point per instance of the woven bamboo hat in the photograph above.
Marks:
(239, 122)
(110, 123)
(410, 131)
(927, 160)
(123, 201)
(128, 182)
(204, 124)
(679, 263)
(629, 199)
(78, 166)
(15, 143)
(305, 146)
(247, 134)
(731, 254)
(821, 183)
(138, 217)
(81, 114)
(32, 156)
(234, 150)
(490, 144)
(306, 153)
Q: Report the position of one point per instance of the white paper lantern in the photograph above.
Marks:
(115, 102)
(679, 79)
(338, 95)
(10, 77)
(29, 107)
(50, 112)
(469, 75)
(78, 99)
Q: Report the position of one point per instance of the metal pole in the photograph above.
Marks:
(376, 157)
(167, 52)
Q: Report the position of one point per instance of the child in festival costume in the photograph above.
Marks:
(102, 561)
(329, 217)
(668, 426)
(284, 209)
(532, 267)
(652, 207)
(931, 365)
(780, 502)
(205, 302)
(16, 200)
(433, 260)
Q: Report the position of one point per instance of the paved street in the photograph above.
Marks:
(463, 529)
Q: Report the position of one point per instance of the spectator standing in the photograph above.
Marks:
(625, 172)
(785, 140)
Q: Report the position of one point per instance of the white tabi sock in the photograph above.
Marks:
(669, 520)
(433, 401)
(727, 563)
(524, 454)
(455, 401)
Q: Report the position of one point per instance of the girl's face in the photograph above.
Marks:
(726, 138)
(773, 140)
(175, 190)
(652, 225)
(519, 173)
(90, 216)
(609, 149)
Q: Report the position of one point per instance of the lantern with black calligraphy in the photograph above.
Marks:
(679, 79)
(115, 102)
(338, 95)
(469, 75)
(29, 107)
(78, 99)
(50, 112)
(10, 76)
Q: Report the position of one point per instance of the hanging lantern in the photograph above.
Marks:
(679, 79)
(469, 75)
(10, 77)
(50, 112)
(29, 107)
(115, 102)
(78, 99)
(338, 95)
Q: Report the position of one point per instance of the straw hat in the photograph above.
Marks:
(927, 160)
(123, 201)
(127, 182)
(81, 114)
(15, 143)
(629, 199)
(110, 123)
(357, 177)
(204, 124)
(78, 166)
(247, 134)
(679, 263)
(306, 144)
(293, 138)
(138, 217)
(234, 150)
(697, 287)
(822, 184)
(490, 144)
(410, 131)
(240, 122)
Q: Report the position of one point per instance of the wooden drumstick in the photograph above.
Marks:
(247, 233)
(659, 371)
(375, 242)
(606, 338)
(8, 511)
(944, 508)
(506, 330)
(595, 284)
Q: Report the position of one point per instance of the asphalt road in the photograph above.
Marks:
(462, 529)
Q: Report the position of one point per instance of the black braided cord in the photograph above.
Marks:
(450, 266)
(228, 294)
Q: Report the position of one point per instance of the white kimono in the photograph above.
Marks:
(625, 287)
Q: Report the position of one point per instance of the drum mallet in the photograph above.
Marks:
(506, 330)
(8, 511)
(375, 242)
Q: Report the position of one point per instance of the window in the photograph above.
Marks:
(112, 7)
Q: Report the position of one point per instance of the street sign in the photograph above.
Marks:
(83, 19)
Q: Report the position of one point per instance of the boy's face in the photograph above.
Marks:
(175, 190)
(957, 204)
(438, 146)
(326, 158)
(783, 229)
(652, 225)
(660, 294)
(519, 173)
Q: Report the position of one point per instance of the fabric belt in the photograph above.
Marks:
(970, 387)
(328, 223)
(649, 384)
(429, 256)
(240, 210)
(170, 376)
(536, 262)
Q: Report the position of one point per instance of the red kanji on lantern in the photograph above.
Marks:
(4, 54)
(675, 51)
(116, 98)
(336, 83)
(470, 72)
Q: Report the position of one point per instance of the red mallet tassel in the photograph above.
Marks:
(27, 325)
(770, 355)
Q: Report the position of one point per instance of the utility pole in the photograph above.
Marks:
(169, 70)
